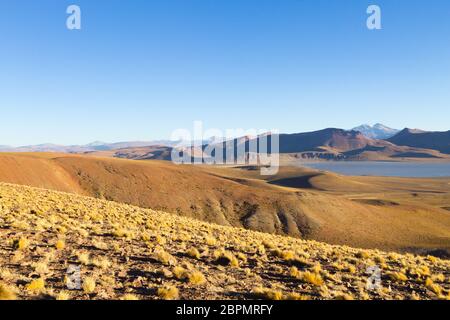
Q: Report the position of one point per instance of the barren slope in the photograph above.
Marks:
(302, 204)
(125, 252)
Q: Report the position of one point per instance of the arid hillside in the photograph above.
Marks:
(399, 214)
(423, 139)
(51, 242)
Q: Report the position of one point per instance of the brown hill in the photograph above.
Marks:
(336, 139)
(130, 253)
(422, 139)
(155, 152)
(297, 202)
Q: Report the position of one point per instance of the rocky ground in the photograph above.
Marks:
(125, 252)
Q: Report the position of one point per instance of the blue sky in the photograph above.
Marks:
(140, 69)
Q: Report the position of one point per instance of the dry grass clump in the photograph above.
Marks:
(432, 259)
(168, 292)
(6, 293)
(63, 296)
(226, 258)
(41, 267)
(296, 296)
(397, 276)
(193, 253)
(102, 263)
(129, 297)
(311, 277)
(21, 244)
(60, 244)
(362, 255)
(84, 258)
(420, 271)
(89, 285)
(308, 277)
(179, 272)
(164, 257)
(438, 277)
(193, 277)
(434, 287)
(100, 245)
(196, 278)
(343, 296)
(267, 294)
(36, 286)
(210, 241)
(284, 254)
(122, 233)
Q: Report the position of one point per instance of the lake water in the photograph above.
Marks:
(389, 169)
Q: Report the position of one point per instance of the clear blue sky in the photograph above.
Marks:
(139, 69)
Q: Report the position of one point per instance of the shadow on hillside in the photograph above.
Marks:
(302, 182)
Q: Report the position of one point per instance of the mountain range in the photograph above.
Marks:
(378, 131)
(330, 144)
(422, 139)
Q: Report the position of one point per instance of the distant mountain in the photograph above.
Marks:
(335, 144)
(378, 131)
(327, 139)
(98, 146)
(435, 140)
(90, 147)
(329, 144)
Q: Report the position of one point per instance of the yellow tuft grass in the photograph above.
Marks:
(179, 272)
(60, 245)
(36, 286)
(397, 276)
(6, 293)
(21, 244)
(311, 278)
(84, 258)
(168, 292)
(196, 278)
(63, 296)
(193, 253)
(164, 257)
(268, 294)
(434, 287)
(226, 258)
(89, 285)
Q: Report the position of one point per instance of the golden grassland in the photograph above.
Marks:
(126, 252)
(404, 215)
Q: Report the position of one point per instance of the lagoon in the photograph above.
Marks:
(384, 168)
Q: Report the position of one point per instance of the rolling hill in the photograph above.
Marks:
(405, 215)
(335, 144)
(129, 253)
(439, 141)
